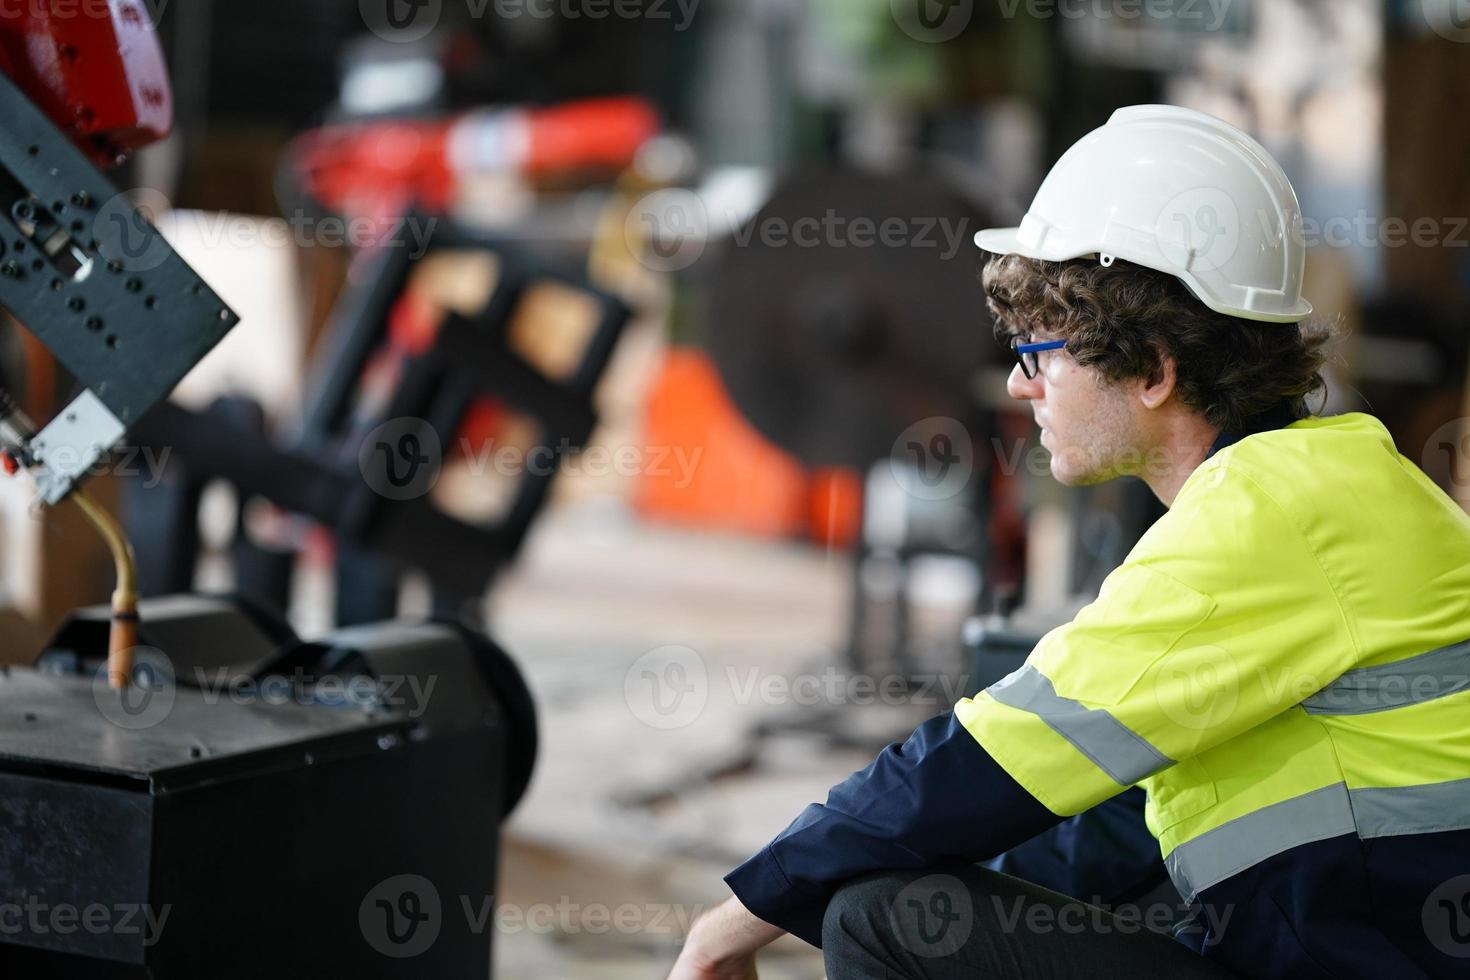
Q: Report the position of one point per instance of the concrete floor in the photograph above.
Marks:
(628, 828)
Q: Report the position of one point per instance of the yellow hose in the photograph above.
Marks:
(123, 637)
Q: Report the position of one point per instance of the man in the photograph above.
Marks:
(1282, 662)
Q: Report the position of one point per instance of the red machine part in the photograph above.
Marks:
(95, 67)
(354, 168)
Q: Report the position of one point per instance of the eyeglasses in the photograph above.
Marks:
(1027, 354)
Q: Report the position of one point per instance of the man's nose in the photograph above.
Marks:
(1022, 388)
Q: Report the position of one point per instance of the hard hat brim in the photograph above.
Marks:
(1000, 241)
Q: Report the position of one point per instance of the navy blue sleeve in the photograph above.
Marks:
(1105, 856)
(936, 797)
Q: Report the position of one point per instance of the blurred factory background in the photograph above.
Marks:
(670, 312)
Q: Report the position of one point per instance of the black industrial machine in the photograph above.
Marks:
(187, 789)
(256, 805)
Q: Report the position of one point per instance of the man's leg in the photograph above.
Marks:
(967, 921)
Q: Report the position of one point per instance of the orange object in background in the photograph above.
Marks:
(836, 507)
(352, 166)
(740, 482)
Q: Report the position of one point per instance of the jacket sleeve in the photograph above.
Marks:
(937, 796)
(1105, 856)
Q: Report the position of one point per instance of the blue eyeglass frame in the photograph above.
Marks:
(1021, 350)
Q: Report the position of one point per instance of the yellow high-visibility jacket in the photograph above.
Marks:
(1282, 658)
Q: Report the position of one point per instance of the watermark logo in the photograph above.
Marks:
(405, 915)
(147, 701)
(401, 459)
(1205, 924)
(667, 688)
(932, 21)
(933, 459)
(126, 233)
(401, 21)
(1198, 689)
(1364, 230)
(1198, 229)
(570, 918)
(668, 230)
(33, 918)
(401, 917)
(407, 694)
(1450, 19)
(1446, 917)
(933, 917)
(676, 463)
(133, 13)
(144, 463)
(1448, 450)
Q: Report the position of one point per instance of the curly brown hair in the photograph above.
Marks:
(1122, 319)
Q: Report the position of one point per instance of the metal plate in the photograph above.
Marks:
(73, 722)
(90, 276)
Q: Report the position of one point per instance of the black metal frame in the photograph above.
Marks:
(90, 276)
(316, 473)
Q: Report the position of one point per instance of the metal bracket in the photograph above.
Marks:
(72, 444)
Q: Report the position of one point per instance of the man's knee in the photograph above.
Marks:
(923, 913)
(861, 907)
(909, 924)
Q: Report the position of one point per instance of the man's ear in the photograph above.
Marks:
(1155, 390)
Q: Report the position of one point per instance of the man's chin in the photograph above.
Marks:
(1068, 477)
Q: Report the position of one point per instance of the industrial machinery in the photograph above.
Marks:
(330, 468)
(79, 266)
(399, 389)
(190, 789)
(257, 805)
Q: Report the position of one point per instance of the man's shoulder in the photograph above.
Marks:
(1303, 463)
(1336, 483)
(1262, 493)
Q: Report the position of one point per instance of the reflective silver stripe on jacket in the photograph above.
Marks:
(1331, 811)
(1426, 677)
(1112, 746)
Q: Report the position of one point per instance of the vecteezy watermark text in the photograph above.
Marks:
(147, 462)
(1077, 918)
(937, 21)
(407, 21)
(403, 916)
(403, 458)
(34, 917)
(132, 12)
(669, 687)
(124, 226)
(408, 693)
(669, 230)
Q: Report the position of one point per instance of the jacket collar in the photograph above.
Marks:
(1278, 417)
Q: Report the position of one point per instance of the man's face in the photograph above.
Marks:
(1087, 424)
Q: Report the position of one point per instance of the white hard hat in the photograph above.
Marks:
(1178, 191)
